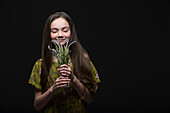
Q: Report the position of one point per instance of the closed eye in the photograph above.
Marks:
(54, 30)
(66, 29)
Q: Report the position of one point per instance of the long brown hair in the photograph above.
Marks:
(79, 56)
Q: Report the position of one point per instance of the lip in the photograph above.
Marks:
(61, 40)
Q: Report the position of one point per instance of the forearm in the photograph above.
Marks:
(82, 91)
(42, 99)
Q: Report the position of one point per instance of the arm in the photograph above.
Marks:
(81, 90)
(42, 99)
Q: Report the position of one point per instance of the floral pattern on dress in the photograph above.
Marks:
(66, 100)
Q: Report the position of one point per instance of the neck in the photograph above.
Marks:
(54, 58)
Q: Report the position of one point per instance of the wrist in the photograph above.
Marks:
(51, 91)
(73, 78)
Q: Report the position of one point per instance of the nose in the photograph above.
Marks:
(60, 34)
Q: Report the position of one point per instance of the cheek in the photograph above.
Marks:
(67, 34)
(53, 35)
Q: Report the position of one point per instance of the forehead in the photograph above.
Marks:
(59, 23)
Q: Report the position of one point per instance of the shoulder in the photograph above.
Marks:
(38, 62)
(86, 55)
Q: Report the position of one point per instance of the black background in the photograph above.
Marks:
(127, 41)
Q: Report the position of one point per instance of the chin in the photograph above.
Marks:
(63, 43)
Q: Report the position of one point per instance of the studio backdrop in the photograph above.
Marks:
(126, 40)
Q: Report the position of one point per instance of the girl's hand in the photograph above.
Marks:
(65, 70)
(61, 81)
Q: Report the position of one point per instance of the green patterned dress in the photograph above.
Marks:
(66, 100)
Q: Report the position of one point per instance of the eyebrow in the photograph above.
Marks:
(62, 28)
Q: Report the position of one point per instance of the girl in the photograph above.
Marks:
(51, 93)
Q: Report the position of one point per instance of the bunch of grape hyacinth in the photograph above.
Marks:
(61, 51)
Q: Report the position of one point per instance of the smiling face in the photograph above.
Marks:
(60, 30)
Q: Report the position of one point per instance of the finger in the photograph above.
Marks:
(60, 86)
(57, 85)
(64, 68)
(64, 65)
(62, 83)
(63, 78)
(59, 82)
(65, 75)
(65, 72)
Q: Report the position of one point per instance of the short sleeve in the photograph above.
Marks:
(94, 73)
(35, 75)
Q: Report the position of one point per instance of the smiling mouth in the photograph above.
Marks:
(61, 39)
